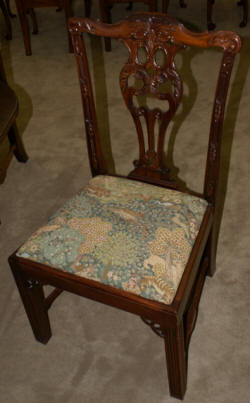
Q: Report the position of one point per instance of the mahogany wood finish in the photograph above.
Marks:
(8, 128)
(153, 32)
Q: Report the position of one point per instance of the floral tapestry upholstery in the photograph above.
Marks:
(123, 233)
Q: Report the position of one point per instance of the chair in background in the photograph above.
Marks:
(105, 10)
(165, 4)
(8, 114)
(139, 243)
(25, 7)
(211, 25)
(5, 10)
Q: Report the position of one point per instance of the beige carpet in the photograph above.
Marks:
(98, 354)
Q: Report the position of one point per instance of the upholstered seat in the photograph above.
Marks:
(127, 234)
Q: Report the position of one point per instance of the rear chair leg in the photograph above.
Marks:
(31, 292)
(210, 251)
(176, 360)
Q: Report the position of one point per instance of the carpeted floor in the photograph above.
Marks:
(98, 354)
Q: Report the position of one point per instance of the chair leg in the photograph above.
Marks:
(31, 292)
(68, 14)
(210, 24)
(106, 18)
(24, 27)
(88, 6)
(12, 15)
(152, 6)
(7, 20)
(176, 360)
(15, 139)
(210, 251)
(244, 3)
(165, 4)
(32, 15)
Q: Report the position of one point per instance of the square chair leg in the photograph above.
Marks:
(176, 360)
(31, 292)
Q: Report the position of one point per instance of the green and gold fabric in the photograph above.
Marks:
(123, 233)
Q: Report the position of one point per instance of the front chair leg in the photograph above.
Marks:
(176, 360)
(244, 3)
(15, 139)
(31, 292)
(210, 24)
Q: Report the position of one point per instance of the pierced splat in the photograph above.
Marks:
(152, 67)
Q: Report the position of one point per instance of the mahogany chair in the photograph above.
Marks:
(25, 7)
(137, 243)
(211, 25)
(105, 10)
(8, 128)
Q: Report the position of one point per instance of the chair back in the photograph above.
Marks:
(152, 40)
